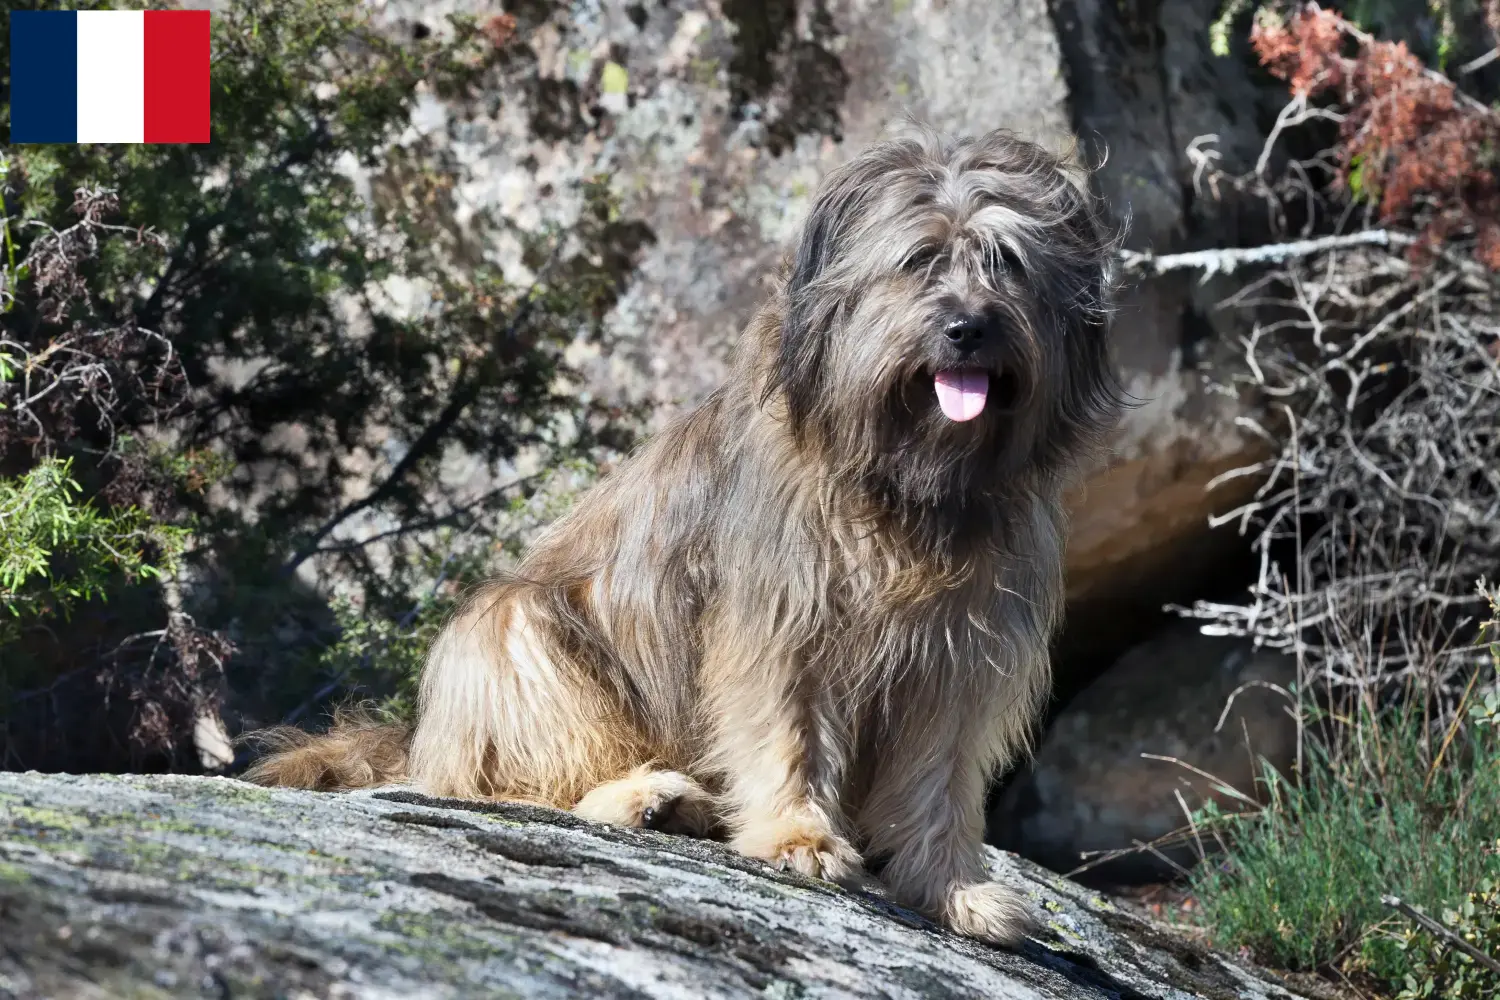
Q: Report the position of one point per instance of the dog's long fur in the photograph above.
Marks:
(813, 611)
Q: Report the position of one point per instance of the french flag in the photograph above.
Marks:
(109, 76)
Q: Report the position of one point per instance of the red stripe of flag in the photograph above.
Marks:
(176, 76)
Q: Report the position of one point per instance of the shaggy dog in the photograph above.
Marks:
(814, 612)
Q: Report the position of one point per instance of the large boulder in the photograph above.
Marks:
(1143, 86)
(717, 119)
(181, 886)
(1217, 706)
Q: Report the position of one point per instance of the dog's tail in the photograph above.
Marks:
(357, 751)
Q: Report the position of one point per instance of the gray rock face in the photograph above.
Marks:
(178, 886)
(716, 120)
(1143, 86)
(1089, 789)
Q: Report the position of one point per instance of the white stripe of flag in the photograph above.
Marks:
(112, 76)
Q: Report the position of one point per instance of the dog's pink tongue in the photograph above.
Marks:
(961, 393)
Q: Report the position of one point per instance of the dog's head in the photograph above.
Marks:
(946, 313)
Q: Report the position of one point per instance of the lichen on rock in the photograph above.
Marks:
(188, 886)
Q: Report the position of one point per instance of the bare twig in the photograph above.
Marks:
(1218, 785)
(1212, 262)
(1229, 702)
(430, 440)
(1478, 63)
(1388, 387)
(1422, 920)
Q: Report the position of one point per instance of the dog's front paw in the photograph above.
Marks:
(803, 847)
(669, 801)
(989, 911)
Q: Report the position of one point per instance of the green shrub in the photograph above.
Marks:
(304, 314)
(1384, 445)
(1437, 969)
(355, 319)
(1440, 971)
(57, 550)
(1300, 881)
(1390, 804)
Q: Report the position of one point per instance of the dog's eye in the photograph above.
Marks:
(1001, 257)
(920, 259)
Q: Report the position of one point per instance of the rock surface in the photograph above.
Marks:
(181, 886)
(1089, 789)
(716, 120)
(1143, 85)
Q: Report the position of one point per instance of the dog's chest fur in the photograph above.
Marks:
(724, 540)
(896, 608)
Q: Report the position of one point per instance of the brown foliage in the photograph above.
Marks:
(81, 374)
(133, 708)
(500, 29)
(1410, 143)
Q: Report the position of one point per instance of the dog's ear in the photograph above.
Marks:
(1084, 261)
(810, 306)
(1075, 286)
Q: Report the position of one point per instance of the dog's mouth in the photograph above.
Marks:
(962, 392)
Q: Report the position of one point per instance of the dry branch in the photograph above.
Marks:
(1212, 262)
(1422, 920)
(1378, 379)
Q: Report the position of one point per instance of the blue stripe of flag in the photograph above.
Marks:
(43, 76)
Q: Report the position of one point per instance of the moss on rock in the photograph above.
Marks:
(170, 886)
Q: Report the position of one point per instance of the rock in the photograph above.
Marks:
(1143, 86)
(191, 886)
(731, 113)
(719, 119)
(1089, 789)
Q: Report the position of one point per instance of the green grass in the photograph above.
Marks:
(1300, 882)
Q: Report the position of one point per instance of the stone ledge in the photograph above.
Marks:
(181, 886)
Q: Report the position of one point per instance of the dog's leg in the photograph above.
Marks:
(782, 758)
(502, 717)
(925, 813)
(775, 808)
(657, 800)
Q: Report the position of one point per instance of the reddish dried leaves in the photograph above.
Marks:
(1407, 144)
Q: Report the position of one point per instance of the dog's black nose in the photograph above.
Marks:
(965, 334)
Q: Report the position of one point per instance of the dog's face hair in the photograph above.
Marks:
(946, 311)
